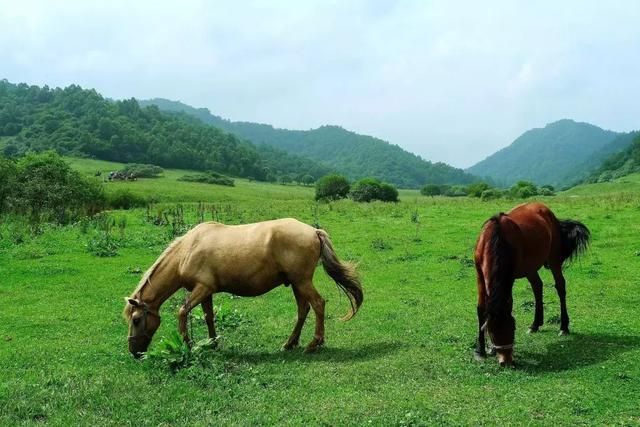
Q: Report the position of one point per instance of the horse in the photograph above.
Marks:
(244, 260)
(516, 245)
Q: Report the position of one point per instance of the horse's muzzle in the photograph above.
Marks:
(138, 345)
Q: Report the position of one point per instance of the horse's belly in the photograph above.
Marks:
(249, 287)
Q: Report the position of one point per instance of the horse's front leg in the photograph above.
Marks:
(199, 293)
(309, 293)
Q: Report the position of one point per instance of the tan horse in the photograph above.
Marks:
(246, 260)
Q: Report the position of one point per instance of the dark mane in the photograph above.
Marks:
(501, 276)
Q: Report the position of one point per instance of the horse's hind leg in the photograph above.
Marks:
(207, 308)
(536, 287)
(310, 294)
(556, 270)
(199, 293)
(303, 311)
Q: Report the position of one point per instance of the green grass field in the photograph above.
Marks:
(405, 359)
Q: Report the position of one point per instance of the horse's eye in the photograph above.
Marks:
(136, 321)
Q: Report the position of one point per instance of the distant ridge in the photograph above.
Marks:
(349, 153)
(559, 154)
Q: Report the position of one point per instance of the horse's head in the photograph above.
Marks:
(143, 323)
(502, 331)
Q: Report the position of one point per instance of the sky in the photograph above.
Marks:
(451, 81)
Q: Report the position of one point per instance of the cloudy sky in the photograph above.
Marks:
(451, 81)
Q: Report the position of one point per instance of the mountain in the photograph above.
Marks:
(620, 164)
(557, 154)
(356, 156)
(588, 168)
(80, 122)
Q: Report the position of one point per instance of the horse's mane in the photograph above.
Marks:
(501, 275)
(145, 277)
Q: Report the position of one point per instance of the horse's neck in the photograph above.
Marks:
(160, 285)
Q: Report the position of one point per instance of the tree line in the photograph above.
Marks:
(80, 122)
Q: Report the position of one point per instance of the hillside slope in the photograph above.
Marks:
(354, 155)
(80, 122)
(620, 164)
(550, 155)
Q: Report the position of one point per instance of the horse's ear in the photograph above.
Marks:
(134, 302)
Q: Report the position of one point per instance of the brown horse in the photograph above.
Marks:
(246, 260)
(516, 245)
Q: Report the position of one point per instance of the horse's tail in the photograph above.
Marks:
(344, 274)
(502, 264)
(575, 238)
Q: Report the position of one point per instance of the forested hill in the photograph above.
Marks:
(76, 121)
(349, 153)
(556, 154)
(620, 164)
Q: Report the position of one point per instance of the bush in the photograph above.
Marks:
(476, 189)
(369, 189)
(490, 194)
(137, 170)
(332, 187)
(456, 191)
(431, 190)
(523, 189)
(209, 178)
(8, 172)
(47, 188)
(125, 199)
(306, 180)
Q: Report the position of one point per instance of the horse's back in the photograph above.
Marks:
(532, 231)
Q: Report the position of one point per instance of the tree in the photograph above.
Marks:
(7, 181)
(47, 188)
(307, 180)
(476, 189)
(431, 190)
(332, 187)
(369, 189)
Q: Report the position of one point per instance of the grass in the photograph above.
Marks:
(405, 359)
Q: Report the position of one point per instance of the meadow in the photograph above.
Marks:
(405, 359)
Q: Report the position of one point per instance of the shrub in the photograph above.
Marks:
(8, 173)
(456, 191)
(431, 190)
(369, 189)
(332, 187)
(476, 189)
(125, 199)
(307, 180)
(47, 188)
(137, 170)
(490, 194)
(523, 189)
(209, 178)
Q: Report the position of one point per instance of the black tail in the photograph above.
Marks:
(575, 239)
(501, 276)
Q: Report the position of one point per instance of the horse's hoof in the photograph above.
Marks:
(479, 357)
(492, 351)
(563, 332)
(533, 330)
(314, 346)
(289, 346)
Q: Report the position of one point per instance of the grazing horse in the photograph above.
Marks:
(516, 245)
(246, 260)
